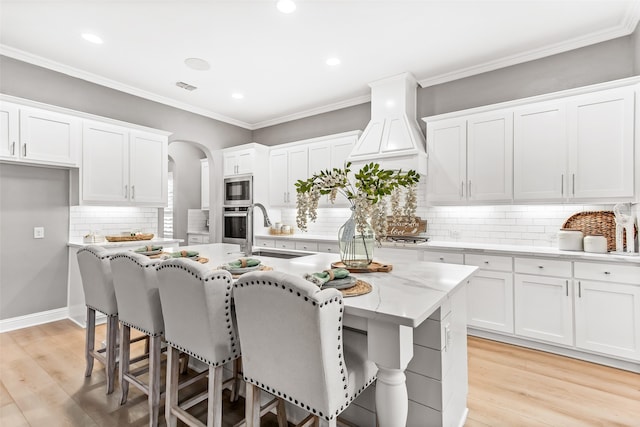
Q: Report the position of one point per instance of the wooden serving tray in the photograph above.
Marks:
(374, 267)
(130, 238)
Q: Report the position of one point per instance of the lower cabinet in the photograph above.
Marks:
(197, 239)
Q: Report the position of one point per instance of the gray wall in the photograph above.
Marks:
(33, 272)
(186, 183)
(636, 50)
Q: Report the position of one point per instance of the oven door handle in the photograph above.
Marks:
(235, 215)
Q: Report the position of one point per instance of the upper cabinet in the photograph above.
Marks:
(239, 162)
(572, 146)
(34, 135)
(470, 159)
(122, 166)
(579, 148)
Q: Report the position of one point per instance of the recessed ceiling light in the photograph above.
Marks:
(237, 95)
(197, 64)
(286, 6)
(92, 38)
(333, 62)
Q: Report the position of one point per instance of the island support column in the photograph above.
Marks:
(390, 346)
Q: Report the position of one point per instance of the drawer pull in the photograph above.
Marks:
(541, 266)
(607, 272)
(486, 262)
(566, 282)
(579, 290)
(441, 258)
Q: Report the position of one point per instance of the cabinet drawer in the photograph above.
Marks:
(446, 257)
(608, 272)
(489, 262)
(306, 246)
(331, 248)
(285, 244)
(265, 243)
(194, 239)
(543, 267)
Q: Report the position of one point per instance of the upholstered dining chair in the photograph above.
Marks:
(99, 295)
(294, 347)
(199, 321)
(136, 287)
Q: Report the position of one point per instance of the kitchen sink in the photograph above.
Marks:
(277, 254)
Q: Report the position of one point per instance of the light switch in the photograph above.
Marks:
(38, 232)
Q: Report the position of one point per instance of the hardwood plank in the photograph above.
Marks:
(11, 415)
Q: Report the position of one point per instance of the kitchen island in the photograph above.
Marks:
(415, 318)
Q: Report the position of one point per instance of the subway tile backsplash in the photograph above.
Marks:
(108, 221)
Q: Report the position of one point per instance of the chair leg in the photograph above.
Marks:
(282, 414)
(154, 380)
(171, 396)
(325, 423)
(112, 337)
(235, 387)
(184, 363)
(90, 340)
(252, 406)
(214, 417)
(125, 348)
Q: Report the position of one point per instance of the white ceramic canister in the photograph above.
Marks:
(570, 240)
(595, 243)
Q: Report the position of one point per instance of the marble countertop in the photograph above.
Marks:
(405, 296)
(132, 243)
(298, 236)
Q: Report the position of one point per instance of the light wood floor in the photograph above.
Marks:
(42, 384)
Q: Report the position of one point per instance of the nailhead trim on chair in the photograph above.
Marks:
(92, 251)
(303, 405)
(152, 263)
(131, 325)
(95, 309)
(227, 312)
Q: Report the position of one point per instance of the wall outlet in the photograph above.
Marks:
(38, 232)
(454, 234)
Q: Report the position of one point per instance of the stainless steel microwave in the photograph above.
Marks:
(238, 191)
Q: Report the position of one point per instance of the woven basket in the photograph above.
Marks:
(598, 222)
(130, 238)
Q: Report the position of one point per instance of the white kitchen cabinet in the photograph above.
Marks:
(306, 245)
(327, 155)
(204, 184)
(197, 239)
(122, 166)
(286, 166)
(440, 256)
(490, 293)
(470, 158)
(576, 148)
(239, 162)
(34, 135)
(329, 247)
(607, 309)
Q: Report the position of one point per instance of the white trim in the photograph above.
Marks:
(286, 145)
(103, 81)
(626, 27)
(33, 319)
(629, 81)
(313, 111)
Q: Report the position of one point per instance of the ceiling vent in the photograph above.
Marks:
(186, 86)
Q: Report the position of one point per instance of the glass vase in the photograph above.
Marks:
(356, 247)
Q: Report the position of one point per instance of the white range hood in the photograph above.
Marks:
(392, 137)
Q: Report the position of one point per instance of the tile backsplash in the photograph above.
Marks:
(533, 225)
(107, 221)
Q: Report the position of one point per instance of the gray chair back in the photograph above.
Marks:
(136, 285)
(97, 280)
(197, 310)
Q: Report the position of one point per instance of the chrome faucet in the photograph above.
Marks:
(247, 246)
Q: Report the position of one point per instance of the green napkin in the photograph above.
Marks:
(251, 262)
(180, 254)
(323, 277)
(149, 248)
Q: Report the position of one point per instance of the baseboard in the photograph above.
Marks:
(34, 319)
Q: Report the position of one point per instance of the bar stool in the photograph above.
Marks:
(99, 295)
(294, 346)
(198, 318)
(136, 287)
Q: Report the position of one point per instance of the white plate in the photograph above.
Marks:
(149, 253)
(345, 283)
(240, 270)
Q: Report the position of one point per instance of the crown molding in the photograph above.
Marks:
(313, 111)
(102, 81)
(626, 27)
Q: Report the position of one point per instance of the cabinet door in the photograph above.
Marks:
(298, 169)
(105, 163)
(49, 137)
(8, 131)
(245, 161)
(204, 184)
(490, 301)
(278, 183)
(601, 144)
(490, 157)
(544, 308)
(540, 152)
(230, 164)
(148, 169)
(319, 157)
(340, 151)
(446, 141)
(608, 318)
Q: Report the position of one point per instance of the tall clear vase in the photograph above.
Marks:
(356, 248)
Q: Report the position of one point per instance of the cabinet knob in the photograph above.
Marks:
(441, 258)
(541, 266)
(486, 262)
(607, 272)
